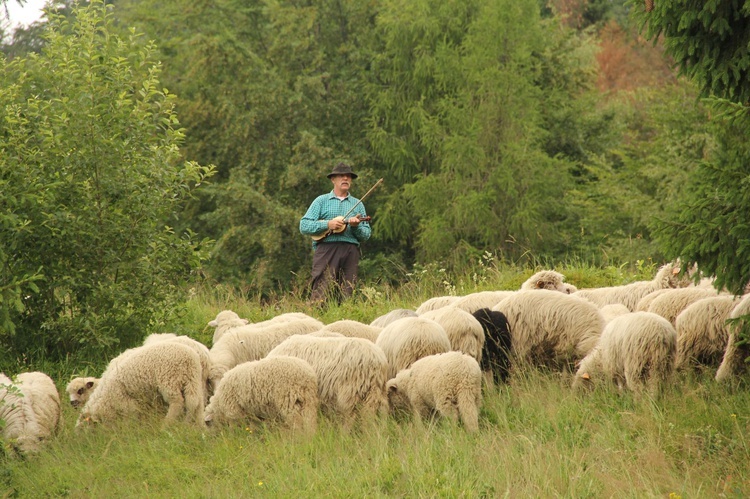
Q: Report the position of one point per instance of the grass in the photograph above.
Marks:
(537, 437)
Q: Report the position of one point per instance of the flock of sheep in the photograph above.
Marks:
(425, 362)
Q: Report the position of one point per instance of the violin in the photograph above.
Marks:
(328, 232)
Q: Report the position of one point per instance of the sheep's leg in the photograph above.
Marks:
(176, 402)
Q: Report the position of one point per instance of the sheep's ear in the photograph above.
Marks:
(89, 384)
(676, 270)
(245, 321)
(213, 323)
(540, 285)
(586, 376)
(391, 386)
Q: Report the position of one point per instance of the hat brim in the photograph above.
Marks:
(352, 175)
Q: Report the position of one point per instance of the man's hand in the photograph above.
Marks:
(336, 224)
(354, 222)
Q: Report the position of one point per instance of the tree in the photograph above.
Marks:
(92, 179)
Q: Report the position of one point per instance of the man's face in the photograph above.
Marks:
(341, 183)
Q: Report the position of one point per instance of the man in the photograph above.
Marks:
(338, 217)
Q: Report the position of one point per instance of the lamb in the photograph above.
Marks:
(147, 378)
(702, 331)
(201, 349)
(41, 392)
(248, 343)
(497, 343)
(354, 329)
(481, 299)
(21, 428)
(79, 390)
(227, 319)
(668, 276)
(277, 389)
(391, 316)
(548, 327)
(635, 350)
(448, 383)
(436, 303)
(409, 339)
(351, 374)
(674, 301)
(548, 279)
(464, 330)
(736, 352)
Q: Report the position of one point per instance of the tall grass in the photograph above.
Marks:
(537, 437)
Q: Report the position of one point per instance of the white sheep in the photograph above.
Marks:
(548, 327)
(481, 299)
(351, 374)
(21, 428)
(41, 393)
(251, 342)
(279, 389)
(613, 310)
(668, 276)
(79, 390)
(548, 279)
(449, 383)
(464, 330)
(645, 302)
(201, 349)
(354, 329)
(391, 316)
(147, 379)
(409, 339)
(227, 319)
(702, 331)
(435, 303)
(670, 304)
(635, 350)
(735, 353)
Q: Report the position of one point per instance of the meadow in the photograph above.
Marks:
(537, 437)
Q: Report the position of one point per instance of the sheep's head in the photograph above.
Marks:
(80, 389)
(547, 279)
(395, 389)
(676, 275)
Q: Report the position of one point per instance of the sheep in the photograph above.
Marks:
(41, 393)
(497, 343)
(351, 374)
(548, 279)
(147, 378)
(411, 338)
(354, 329)
(635, 350)
(668, 276)
(464, 330)
(227, 319)
(548, 327)
(613, 310)
(247, 343)
(21, 428)
(481, 299)
(277, 389)
(201, 349)
(645, 302)
(79, 390)
(702, 331)
(736, 352)
(436, 303)
(448, 383)
(391, 316)
(674, 301)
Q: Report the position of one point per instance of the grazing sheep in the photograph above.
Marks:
(21, 428)
(497, 343)
(448, 383)
(226, 320)
(645, 302)
(436, 303)
(354, 329)
(351, 374)
(201, 349)
(674, 301)
(548, 279)
(702, 331)
(391, 316)
(41, 392)
(635, 350)
(548, 327)
(79, 390)
(613, 310)
(277, 389)
(668, 276)
(411, 338)
(736, 352)
(244, 344)
(146, 379)
(482, 299)
(464, 330)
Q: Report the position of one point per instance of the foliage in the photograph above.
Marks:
(92, 178)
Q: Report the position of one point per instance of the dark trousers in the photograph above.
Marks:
(334, 270)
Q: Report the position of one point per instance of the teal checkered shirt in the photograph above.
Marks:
(327, 207)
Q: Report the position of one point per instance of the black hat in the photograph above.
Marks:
(342, 169)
